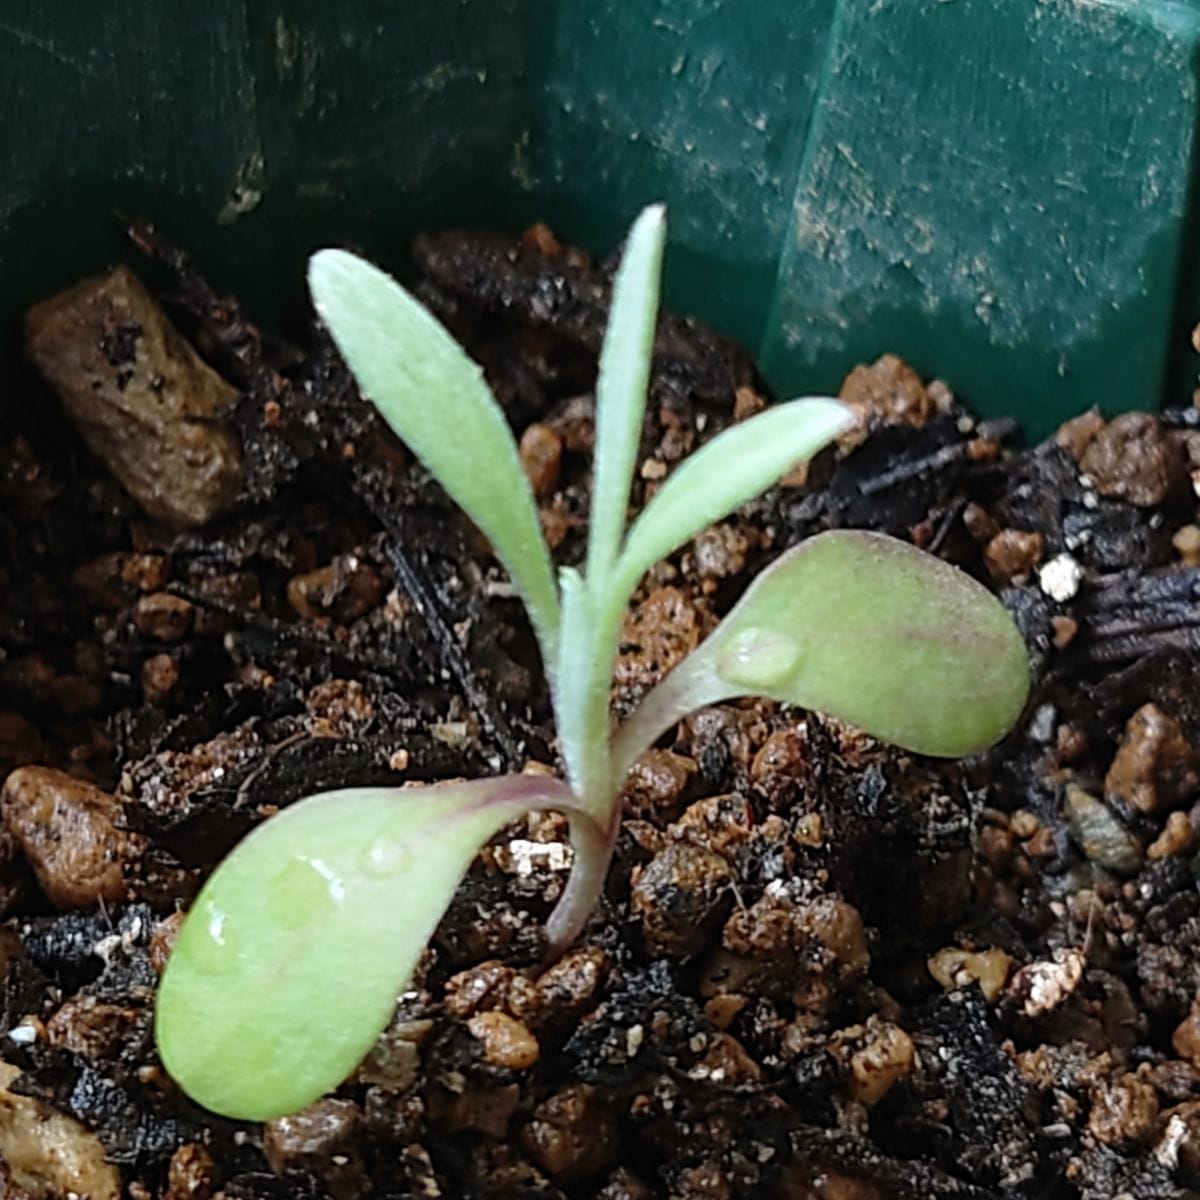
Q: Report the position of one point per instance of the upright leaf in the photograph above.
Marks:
(865, 628)
(436, 399)
(734, 467)
(290, 962)
(621, 387)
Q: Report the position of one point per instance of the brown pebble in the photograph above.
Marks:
(1156, 767)
(345, 590)
(1013, 554)
(146, 572)
(67, 831)
(160, 674)
(162, 940)
(747, 403)
(980, 524)
(655, 785)
(1177, 838)
(726, 1062)
(780, 767)
(1187, 544)
(721, 1011)
(1186, 1038)
(657, 634)
(49, 1154)
(541, 237)
(956, 968)
(474, 1105)
(995, 846)
(541, 456)
(318, 1140)
(887, 392)
(87, 1026)
(878, 1055)
(1124, 1112)
(163, 617)
(565, 990)
(1065, 629)
(338, 708)
(1077, 434)
(192, 1173)
(145, 402)
(1132, 459)
(678, 896)
(506, 1042)
(479, 988)
(572, 1135)
(721, 551)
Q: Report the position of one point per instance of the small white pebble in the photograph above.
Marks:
(1091, 500)
(966, 424)
(633, 1040)
(1060, 577)
(23, 1035)
(697, 1043)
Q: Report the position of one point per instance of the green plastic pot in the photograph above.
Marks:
(998, 190)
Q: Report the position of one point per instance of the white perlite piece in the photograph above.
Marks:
(1060, 577)
(521, 857)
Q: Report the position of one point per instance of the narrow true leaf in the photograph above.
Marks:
(734, 467)
(436, 399)
(290, 961)
(865, 628)
(621, 387)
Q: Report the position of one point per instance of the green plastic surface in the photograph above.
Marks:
(1000, 190)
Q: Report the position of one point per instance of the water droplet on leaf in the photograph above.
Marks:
(301, 891)
(215, 951)
(385, 856)
(758, 659)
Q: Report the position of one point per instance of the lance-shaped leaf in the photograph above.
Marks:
(621, 388)
(438, 402)
(289, 964)
(865, 628)
(734, 467)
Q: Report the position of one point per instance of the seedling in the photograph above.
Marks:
(289, 965)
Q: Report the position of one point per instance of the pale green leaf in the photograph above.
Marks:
(621, 387)
(437, 401)
(292, 957)
(865, 628)
(739, 464)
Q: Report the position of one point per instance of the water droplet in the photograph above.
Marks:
(213, 949)
(758, 659)
(385, 856)
(301, 891)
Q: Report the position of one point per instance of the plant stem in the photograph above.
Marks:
(593, 849)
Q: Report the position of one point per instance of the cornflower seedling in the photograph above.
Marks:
(288, 967)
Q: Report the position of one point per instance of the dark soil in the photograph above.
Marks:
(824, 970)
